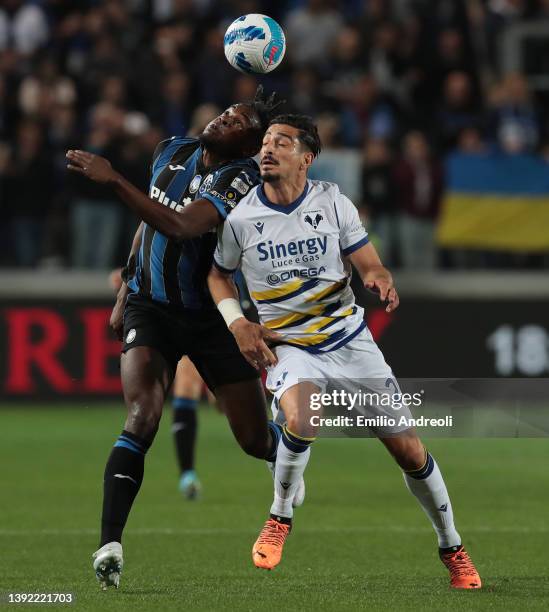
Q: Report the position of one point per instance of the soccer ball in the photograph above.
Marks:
(254, 43)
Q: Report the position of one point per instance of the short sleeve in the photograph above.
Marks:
(228, 187)
(228, 251)
(352, 234)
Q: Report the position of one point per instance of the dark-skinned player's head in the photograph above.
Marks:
(238, 131)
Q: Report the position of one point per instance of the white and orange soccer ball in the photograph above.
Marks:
(254, 44)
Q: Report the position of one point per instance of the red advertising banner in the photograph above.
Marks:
(58, 349)
(65, 349)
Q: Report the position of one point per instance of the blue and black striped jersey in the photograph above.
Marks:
(175, 272)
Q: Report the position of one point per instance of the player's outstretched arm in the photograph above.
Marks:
(374, 275)
(194, 220)
(250, 337)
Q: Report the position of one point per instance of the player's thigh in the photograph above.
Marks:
(188, 382)
(215, 353)
(146, 378)
(295, 377)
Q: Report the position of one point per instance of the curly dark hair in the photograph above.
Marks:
(264, 107)
(308, 133)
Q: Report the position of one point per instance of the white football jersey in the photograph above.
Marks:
(292, 260)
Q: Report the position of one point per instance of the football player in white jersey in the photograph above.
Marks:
(293, 239)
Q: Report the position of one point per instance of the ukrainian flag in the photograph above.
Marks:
(496, 202)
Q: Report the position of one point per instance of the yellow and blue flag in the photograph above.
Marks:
(495, 202)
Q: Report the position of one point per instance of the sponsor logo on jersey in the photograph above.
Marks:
(158, 194)
(208, 181)
(195, 184)
(259, 225)
(240, 186)
(308, 246)
(176, 167)
(282, 277)
(131, 336)
(231, 203)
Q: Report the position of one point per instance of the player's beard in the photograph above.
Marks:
(270, 177)
(223, 148)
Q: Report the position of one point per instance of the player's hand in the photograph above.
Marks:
(380, 281)
(252, 341)
(94, 167)
(115, 279)
(116, 321)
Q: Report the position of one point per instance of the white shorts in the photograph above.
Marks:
(357, 366)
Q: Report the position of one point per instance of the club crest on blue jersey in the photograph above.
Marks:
(195, 184)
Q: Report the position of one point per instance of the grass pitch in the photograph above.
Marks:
(360, 542)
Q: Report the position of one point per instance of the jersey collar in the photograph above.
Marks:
(286, 209)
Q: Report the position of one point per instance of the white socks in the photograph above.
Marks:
(428, 486)
(291, 460)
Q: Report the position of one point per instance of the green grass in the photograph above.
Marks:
(359, 542)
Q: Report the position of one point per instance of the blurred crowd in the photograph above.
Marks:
(394, 85)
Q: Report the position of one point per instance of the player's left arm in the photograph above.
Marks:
(355, 245)
(374, 275)
(195, 219)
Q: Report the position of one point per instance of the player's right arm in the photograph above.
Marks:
(117, 315)
(195, 219)
(250, 337)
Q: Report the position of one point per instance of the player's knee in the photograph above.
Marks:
(143, 418)
(410, 455)
(254, 446)
(300, 426)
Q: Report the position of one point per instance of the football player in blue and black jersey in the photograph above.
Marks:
(164, 310)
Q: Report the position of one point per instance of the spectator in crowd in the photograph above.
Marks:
(336, 164)
(470, 142)
(458, 110)
(173, 108)
(41, 90)
(305, 96)
(23, 25)
(367, 113)
(419, 184)
(378, 208)
(514, 122)
(96, 218)
(29, 192)
(311, 32)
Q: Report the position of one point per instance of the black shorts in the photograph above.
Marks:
(177, 331)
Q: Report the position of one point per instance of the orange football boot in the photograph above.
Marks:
(463, 573)
(267, 550)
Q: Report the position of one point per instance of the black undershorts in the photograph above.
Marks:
(177, 331)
